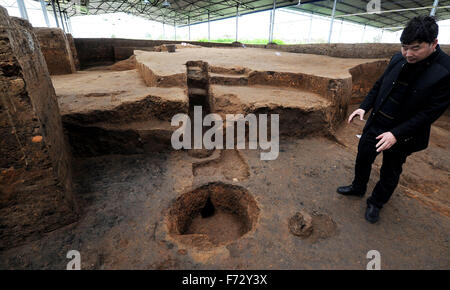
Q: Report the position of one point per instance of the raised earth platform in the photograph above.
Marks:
(113, 112)
(309, 92)
(328, 78)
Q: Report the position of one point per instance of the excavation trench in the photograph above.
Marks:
(198, 85)
(212, 215)
(197, 73)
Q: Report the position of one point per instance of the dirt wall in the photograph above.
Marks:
(364, 77)
(56, 50)
(73, 50)
(35, 169)
(338, 91)
(344, 50)
(100, 51)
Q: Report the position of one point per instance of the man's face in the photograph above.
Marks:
(417, 51)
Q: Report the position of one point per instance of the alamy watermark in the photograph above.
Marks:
(375, 260)
(373, 264)
(75, 262)
(213, 137)
(374, 6)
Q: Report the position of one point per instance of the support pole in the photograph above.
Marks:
(22, 9)
(272, 21)
(54, 13)
(332, 20)
(363, 34)
(310, 28)
(175, 28)
(60, 15)
(270, 26)
(66, 18)
(189, 26)
(433, 10)
(164, 31)
(340, 30)
(65, 21)
(44, 11)
(70, 23)
(209, 29)
(237, 21)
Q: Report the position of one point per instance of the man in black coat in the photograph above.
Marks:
(412, 93)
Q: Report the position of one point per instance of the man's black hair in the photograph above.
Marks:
(420, 28)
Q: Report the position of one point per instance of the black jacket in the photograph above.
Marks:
(428, 100)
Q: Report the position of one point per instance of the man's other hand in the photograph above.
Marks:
(386, 142)
(358, 112)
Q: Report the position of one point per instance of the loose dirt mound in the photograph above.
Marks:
(126, 64)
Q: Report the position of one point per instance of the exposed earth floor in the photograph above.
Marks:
(126, 198)
(228, 209)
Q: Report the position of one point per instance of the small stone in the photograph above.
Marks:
(301, 224)
(36, 139)
(182, 252)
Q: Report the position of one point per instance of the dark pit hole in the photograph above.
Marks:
(212, 215)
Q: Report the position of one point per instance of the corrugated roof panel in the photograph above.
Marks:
(394, 16)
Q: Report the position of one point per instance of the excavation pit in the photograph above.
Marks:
(212, 215)
(126, 175)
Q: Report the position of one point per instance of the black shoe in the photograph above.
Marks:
(372, 213)
(350, 190)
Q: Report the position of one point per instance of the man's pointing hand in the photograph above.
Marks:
(358, 112)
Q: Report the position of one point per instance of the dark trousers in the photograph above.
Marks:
(393, 159)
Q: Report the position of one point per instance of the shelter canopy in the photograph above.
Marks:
(182, 12)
